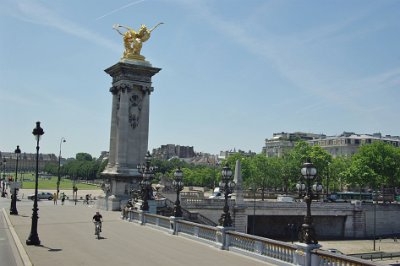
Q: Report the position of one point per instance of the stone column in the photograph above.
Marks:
(115, 102)
(238, 195)
(129, 126)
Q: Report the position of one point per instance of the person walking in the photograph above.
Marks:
(55, 198)
(62, 198)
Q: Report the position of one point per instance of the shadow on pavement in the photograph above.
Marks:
(51, 249)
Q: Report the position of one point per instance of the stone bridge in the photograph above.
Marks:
(281, 220)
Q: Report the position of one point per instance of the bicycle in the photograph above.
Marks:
(97, 229)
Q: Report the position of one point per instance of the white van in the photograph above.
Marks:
(285, 198)
(216, 194)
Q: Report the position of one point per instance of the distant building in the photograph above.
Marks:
(204, 159)
(166, 152)
(282, 142)
(226, 154)
(348, 143)
(345, 144)
(26, 161)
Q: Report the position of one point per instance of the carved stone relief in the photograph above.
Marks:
(135, 109)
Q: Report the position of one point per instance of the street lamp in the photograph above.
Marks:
(13, 208)
(59, 166)
(33, 238)
(309, 192)
(327, 181)
(226, 185)
(177, 183)
(146, 190)
(3, 191)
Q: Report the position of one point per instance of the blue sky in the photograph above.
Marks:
(233, 72)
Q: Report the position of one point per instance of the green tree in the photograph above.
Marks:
(244, 165)
(374, 164)
(338, 172)
(301, 153)
(83, 157)
(265, 172)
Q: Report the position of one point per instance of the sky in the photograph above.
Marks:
(233, 72)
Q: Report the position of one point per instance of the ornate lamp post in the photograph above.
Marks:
(33, 238)
(59, 166)
(147, 172)
(177, 183)
(3, 190)
(309, 191)
(13, 208)
(226, 185)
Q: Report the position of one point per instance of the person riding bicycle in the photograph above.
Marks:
(98, 218)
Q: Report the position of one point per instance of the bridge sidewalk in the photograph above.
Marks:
(67, 238)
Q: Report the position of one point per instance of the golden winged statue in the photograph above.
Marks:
(133, 40)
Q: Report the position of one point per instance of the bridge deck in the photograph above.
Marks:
(67, 237)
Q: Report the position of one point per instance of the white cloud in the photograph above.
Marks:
(34, 12)
(293, 57)
(120, 8)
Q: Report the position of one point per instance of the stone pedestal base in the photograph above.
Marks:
(303, 256)
(119, 189)
(112, 203)
(152, 206)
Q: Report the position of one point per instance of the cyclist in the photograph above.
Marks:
(98, 218)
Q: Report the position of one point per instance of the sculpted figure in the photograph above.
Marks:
(133, 40)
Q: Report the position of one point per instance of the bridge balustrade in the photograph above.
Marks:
(265, 249)
(263, 246)
(332, 259)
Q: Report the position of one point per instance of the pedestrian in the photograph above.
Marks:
(55, 198)
(62, 198)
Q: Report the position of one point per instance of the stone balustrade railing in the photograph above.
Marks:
(332, 259)
(265, 249)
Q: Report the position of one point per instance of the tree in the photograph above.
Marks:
(301, 153)
(265, 171)
(83, 157)
(339, 172)
(244, 165)
(374, 164)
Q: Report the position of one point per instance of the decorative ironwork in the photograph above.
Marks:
(33, 238)
(135, 109)
(226, 186)
(13, 208)
(309, 192)
(177, 183)
(147, 172)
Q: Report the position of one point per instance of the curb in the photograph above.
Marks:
(21, 250)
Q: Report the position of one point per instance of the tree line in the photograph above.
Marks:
(83, 166)
(375, 166)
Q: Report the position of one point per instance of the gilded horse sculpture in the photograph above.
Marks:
(133, 40)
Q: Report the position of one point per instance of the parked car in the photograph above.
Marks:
(41, 195)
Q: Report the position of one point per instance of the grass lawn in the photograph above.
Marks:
(45, 183)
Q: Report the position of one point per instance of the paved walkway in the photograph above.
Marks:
(67, 238)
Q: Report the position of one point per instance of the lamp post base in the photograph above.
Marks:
(13, 207)
(33, 240)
